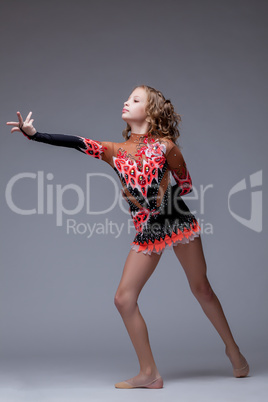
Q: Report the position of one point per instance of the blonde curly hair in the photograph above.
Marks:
(162, 118)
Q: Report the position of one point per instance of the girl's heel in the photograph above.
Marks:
(158, 383)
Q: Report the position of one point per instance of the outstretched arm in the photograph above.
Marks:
(85, 145)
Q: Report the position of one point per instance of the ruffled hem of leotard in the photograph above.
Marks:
(158, 246)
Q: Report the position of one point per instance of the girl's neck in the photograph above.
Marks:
(141, 129)
(138, 134)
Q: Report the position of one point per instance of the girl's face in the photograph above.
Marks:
(134, 108)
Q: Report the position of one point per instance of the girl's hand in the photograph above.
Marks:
(26, 126)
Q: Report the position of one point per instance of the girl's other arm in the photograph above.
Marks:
(179, 169)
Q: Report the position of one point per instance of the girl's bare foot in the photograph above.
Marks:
(142, 381)
(239, 362)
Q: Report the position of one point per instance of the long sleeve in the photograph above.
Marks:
(97, 149)
(179, 169)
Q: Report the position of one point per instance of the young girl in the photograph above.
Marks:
(154, 176)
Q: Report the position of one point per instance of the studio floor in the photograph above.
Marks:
(52, 380)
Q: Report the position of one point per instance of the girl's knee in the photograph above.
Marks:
(124, 301)
(202, 290)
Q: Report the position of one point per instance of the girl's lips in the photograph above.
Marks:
(124, 110)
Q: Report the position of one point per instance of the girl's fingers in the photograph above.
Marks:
(14, 129)
(28, 117)
(16, 125)
(20, 118)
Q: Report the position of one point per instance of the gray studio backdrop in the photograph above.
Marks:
(73, 64)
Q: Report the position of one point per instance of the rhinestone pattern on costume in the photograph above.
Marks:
(145, 166)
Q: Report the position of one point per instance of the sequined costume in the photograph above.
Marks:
(154, 176)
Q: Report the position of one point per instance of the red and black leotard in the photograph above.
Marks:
(154, 176)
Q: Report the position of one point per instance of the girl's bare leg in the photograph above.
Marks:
(192, 259)
(137, 270)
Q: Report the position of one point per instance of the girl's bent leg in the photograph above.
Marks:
(137, 270)
(192, 259)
